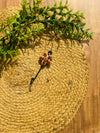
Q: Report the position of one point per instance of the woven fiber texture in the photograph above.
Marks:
(57, 92)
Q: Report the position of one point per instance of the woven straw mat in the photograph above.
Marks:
(57, 92)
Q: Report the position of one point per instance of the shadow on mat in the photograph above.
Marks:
(4, 65)
(36, 41)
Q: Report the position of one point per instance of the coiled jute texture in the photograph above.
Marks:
(57, 92)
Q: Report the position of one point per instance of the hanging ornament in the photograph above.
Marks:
(45, 59)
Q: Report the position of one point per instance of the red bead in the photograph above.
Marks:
(41, 58)
(49, 57)
(45, 54)
(48, 61)
(43, 62)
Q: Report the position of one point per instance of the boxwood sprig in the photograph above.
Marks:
(33, 20)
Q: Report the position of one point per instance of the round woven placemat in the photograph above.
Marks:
(57, 92)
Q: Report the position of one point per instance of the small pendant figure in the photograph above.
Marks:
(44, 60)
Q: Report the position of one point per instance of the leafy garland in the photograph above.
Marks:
(58, 19)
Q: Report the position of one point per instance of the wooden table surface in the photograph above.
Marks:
(87, 119)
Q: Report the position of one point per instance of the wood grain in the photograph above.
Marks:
(87, 119)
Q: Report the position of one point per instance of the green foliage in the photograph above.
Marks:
(33, 20)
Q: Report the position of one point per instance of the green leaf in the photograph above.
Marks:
(66, 5)
(77, 13)
(63, 31)
(71, 35)
(60, 3)
(48, 7)
(88, 29)
(39, 2)
(91, 37)
(41, 10)
(34, 2)
(53, 8)
(55, 4)
(92, 33)
(72, 26)
(77, 28)
(8, 20)
(83, 31)
(69, 11)
(66, 2)
(4, 56)
(7, 32)
(28, 17)
(36, 6)
(30, 7)
(11, 55)
(29, 30)
(82, 25)
(72, 15)
(2, 24)
(82, 15)
(68, 19)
